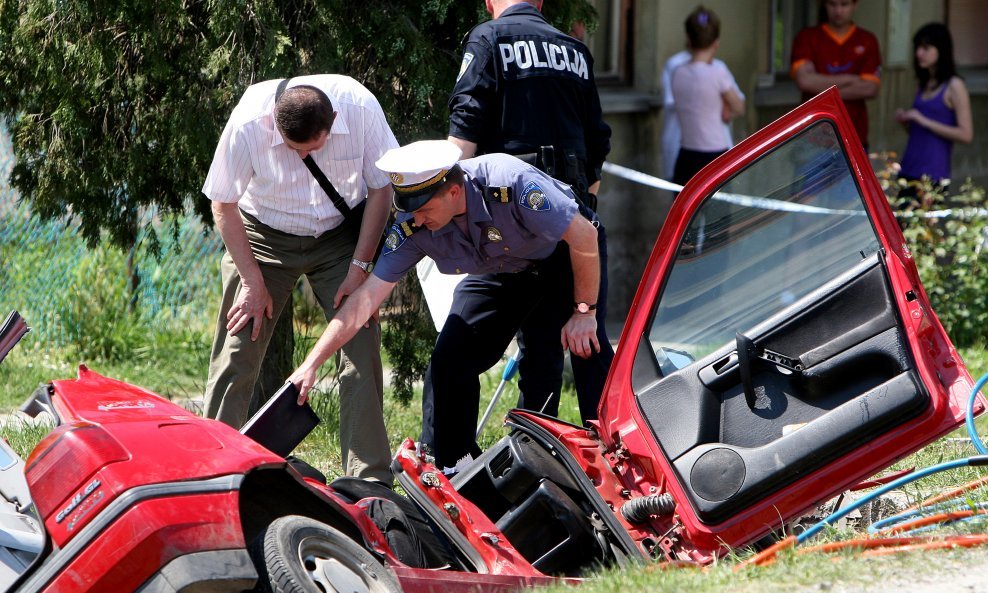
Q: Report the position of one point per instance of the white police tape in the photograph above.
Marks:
(639, 177)
(769, 204)
(947, 213)
(738, 199)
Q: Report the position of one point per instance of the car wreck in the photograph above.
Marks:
(780, 349)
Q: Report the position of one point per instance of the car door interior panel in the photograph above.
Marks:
(816, 380)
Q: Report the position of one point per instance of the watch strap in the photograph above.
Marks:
(367, 266)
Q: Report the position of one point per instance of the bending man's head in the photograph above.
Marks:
(426, 180)
(303, 113)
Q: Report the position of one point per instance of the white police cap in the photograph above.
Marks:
(418, 170)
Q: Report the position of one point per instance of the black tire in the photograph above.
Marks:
(302, 555)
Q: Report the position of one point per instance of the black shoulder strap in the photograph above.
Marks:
(313, 168)
(326, 186)
(501, 194)
(281, 89)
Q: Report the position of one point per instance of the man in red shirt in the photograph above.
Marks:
(839, 53)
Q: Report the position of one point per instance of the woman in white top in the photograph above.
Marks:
(705, 97)
(672, 136)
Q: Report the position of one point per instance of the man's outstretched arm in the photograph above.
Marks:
(344, 325)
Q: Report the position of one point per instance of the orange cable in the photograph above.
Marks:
(933, 519)
(958, 541)
(862, 543)
(879, 546)
(767, 556)
(949, 494)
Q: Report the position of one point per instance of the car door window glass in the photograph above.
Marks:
(782, 227)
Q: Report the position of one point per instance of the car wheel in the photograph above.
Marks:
(302, 555)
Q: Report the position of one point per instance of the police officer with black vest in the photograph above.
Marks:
(527, 89)
(530, 255)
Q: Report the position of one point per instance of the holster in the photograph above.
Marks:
(564, 165)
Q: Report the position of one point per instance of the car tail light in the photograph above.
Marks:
(65, 459)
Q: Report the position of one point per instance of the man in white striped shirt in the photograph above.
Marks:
(278, 223)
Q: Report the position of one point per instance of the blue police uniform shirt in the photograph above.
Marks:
(503, 237)
(524, 84)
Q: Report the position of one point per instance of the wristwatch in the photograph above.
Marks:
(584, 307)
(367, 266)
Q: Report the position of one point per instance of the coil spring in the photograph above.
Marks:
(638, 510)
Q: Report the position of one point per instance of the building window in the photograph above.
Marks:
(611, 44)
(787, 18)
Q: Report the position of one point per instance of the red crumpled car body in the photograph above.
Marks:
(780, 349)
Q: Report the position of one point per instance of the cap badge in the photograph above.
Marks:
(494, 235)
(397, 178)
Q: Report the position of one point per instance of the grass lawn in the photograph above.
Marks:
(178, 373)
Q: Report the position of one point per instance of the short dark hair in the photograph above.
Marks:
(453, 177)
(303, 112)
(936, 35)
(702, 28)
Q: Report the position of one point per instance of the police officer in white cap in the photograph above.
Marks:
(530, 254)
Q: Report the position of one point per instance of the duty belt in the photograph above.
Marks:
(562, 164)
(566, 167)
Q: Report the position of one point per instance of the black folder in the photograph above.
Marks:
(281, 424)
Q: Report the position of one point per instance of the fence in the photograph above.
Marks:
(43, 261)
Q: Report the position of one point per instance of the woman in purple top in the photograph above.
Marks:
(941, 112)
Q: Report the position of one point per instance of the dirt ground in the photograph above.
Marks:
(960, 571)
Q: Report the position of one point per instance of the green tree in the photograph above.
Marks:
(115, 106)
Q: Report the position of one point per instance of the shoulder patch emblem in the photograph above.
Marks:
(394, 240)
(534, 198)
(467, 59)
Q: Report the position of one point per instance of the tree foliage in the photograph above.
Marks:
(116, 105)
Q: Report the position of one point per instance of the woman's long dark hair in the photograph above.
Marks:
(938, 36)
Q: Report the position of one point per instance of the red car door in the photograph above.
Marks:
(780, 347)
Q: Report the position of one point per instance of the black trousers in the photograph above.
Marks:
(540, 367)
(689, 162)
(487, 311)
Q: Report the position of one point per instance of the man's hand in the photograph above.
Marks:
(354, 278)
(579, 335)
(251, 304)
(304, 378)
(343, 326)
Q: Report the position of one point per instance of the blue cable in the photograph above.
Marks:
(972, 432)
(875, 494)
(969, 461)
(944, 507)
(894, 519)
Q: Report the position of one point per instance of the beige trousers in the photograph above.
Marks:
(235, 360)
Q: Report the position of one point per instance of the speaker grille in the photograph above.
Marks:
(717, 475)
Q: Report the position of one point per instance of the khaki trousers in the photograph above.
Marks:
(235, 360)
